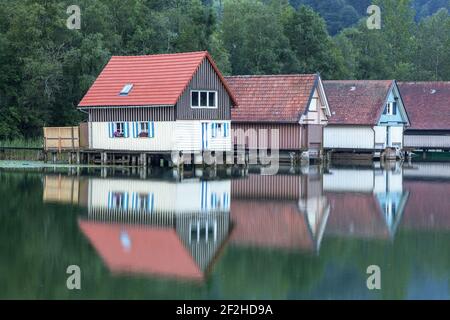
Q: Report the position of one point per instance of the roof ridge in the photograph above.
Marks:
(160, 54)
(273, 75)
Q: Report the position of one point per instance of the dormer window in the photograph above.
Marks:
(391, 109)
(126, 89)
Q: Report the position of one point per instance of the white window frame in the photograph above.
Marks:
(146, 127)
(390, 108)
(207, 99)
(120, 125)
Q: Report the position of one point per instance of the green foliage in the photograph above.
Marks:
(46, 68)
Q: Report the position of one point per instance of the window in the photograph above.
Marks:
(120, 130)
(126, 89)
(143, 133)
(217, 130)
(391, 109)
(313, 106)
(203, 99)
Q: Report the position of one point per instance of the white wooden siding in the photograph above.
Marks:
(348, 137)
(380, 137)
(427, 141)
(397, 136)
(316, 112)
(169, 136)
(163, 140)
(189, 136)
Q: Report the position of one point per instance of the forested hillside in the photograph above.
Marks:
(46, 68)
(340, 14)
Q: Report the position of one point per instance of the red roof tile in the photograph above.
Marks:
(427, 103)
(358, 102)
(151, 250)
(281, 98)
(158, 80)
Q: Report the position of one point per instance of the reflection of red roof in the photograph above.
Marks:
(359, 102)
(428, 205)
(270, 224)
(271, 98)
(428, 104)
(356, 214)
(151, 251)
(158, 80)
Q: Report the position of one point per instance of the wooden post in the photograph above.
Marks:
(78, 157)
(59, 140)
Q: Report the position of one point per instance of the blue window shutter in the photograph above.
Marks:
(214, 129)
(151, 129)
(110, 130)
(395, 108)
(126, 128)
(385, 110)
(135, 133)
(225, 130)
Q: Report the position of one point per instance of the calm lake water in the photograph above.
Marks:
(308, 233)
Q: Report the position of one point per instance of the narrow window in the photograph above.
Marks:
(203, 99)
(194, 99)
(120, 130)
(143, 132)
(219, 130)
(212, 99)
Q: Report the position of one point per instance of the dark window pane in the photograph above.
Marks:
(203, 99)
(212, 99)
(194, 98)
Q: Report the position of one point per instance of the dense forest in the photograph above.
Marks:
(46, 68)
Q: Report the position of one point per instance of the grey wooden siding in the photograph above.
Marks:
(205, 79)
(290, 135)
(132, 114)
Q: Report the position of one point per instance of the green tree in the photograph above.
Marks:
(313, 48)
(433, 49)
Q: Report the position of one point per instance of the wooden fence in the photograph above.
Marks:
(61, 138)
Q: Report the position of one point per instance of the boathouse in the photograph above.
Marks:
(428, 105)
(159, 104)
(367, 116)
(294, 106)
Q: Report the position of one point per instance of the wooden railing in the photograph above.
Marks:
(61, 138)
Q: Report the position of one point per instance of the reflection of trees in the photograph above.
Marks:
(39, 241)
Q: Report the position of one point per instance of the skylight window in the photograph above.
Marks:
(126, 89)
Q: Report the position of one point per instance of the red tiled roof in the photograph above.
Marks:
(281, 98)
(358, 102)
(158, 80)
(427, 103)
(151, 250)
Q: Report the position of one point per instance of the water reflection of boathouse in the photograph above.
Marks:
(281, 211)
(159, 227)
(367, 202)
